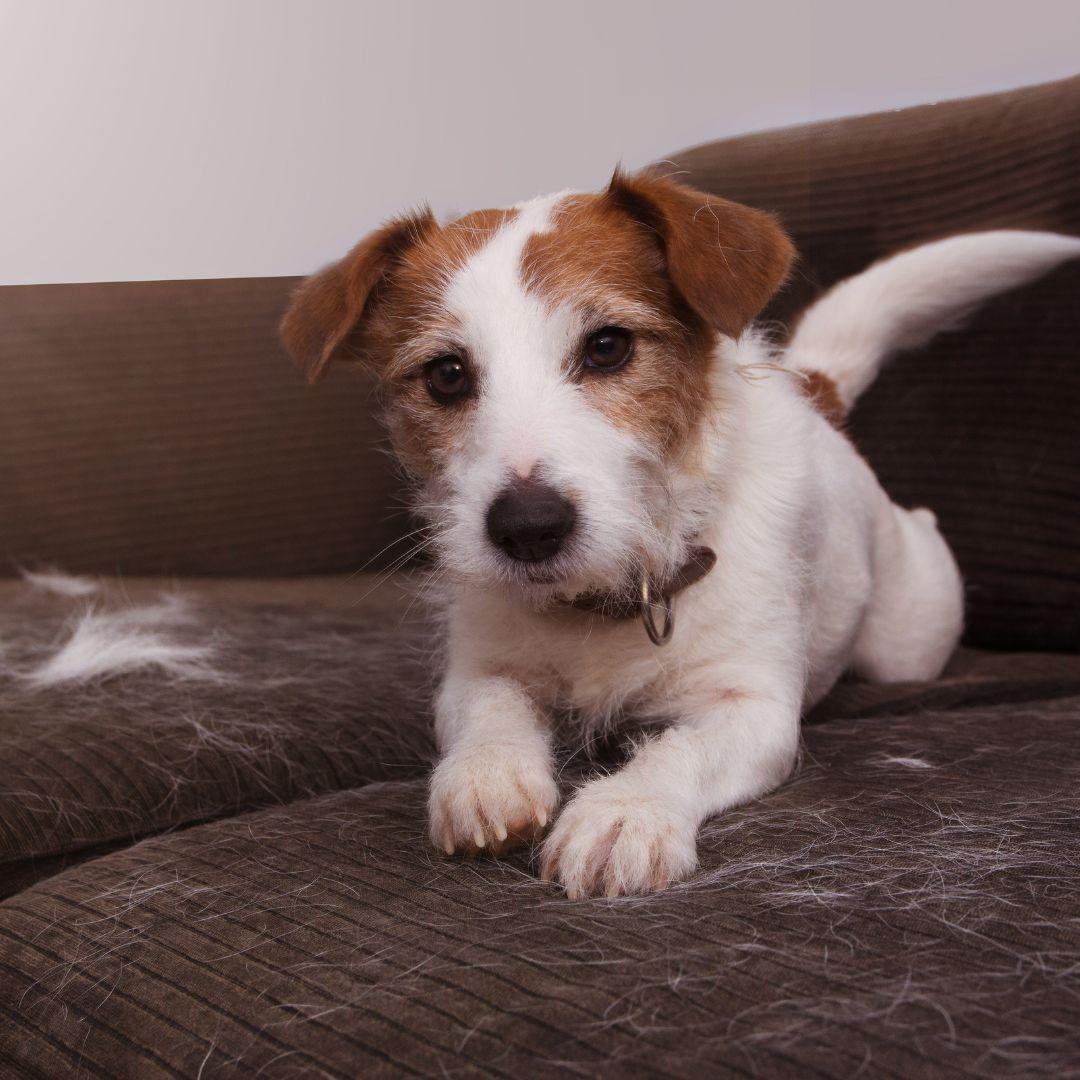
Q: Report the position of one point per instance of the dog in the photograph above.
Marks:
(641, 503)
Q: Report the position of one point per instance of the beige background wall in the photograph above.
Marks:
(204, 138)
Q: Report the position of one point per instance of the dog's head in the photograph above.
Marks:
(547, 369)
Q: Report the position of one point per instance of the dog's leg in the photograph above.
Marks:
(636, 830)
(494, 785)
(916, 613)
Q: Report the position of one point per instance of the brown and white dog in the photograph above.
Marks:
(594, 427)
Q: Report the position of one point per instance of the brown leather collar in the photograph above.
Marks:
(632, 605)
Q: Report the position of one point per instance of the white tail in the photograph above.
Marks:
(903, 301)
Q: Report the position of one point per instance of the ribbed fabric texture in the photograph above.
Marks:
(314, 686)
(980, 426)
(309, 687)
(906, 900)
(904, 908)
(158, 427)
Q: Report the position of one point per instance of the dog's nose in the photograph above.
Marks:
(529, 520)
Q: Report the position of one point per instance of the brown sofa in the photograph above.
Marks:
(223, 871)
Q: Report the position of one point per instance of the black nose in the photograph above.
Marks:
(529, 520)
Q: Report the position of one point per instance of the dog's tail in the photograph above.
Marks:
(901, 302)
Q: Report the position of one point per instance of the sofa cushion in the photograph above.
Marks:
(308, 686)
(972, 677)
(978, 426)
(312, 685)
(905, 906)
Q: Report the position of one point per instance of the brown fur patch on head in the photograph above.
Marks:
(597, 260)
(671, 265)
(327, 308)
(380, 306)
(675, 267)
(411, 325)
(726, 259)
(401, 328)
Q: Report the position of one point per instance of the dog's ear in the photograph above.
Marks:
(328, 308)
(725, 259)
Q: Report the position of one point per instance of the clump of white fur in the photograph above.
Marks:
(56, 581)
(99, 643)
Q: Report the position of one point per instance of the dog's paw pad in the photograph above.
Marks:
(490, 798)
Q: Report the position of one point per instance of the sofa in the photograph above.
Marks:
(213, 859)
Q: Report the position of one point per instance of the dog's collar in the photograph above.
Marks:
(643, 602)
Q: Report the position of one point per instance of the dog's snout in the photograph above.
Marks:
(529, 520)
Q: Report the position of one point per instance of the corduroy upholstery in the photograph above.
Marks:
(156, 427)
(325, 685)
(907, 901)
(226, 874)
(916, 921)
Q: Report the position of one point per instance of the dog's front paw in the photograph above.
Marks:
(490, 797)
(612, 841)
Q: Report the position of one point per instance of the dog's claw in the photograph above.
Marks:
(486, 800)
(610, 842)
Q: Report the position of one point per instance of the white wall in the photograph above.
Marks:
(205, 138)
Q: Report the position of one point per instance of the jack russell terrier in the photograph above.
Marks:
(639, 502)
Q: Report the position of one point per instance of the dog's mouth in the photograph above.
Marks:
(561, 579)
(541, 582)
(538, 573)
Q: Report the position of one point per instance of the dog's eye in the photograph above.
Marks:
(607, 349)
(447, 378)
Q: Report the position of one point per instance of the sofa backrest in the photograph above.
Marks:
(157, 427)
(981, 426)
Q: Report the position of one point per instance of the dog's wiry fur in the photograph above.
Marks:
(708, 436)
